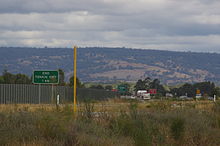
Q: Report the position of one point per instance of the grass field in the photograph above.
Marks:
(113, 122)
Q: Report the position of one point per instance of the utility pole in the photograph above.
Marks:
(74, 82)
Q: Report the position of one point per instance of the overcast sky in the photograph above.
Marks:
(181, 25)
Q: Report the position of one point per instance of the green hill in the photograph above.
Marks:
(113, 64)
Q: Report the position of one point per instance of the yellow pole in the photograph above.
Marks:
(74, 85)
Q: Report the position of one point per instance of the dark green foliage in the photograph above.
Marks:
(177, 128)
(206, 88)
(61, 77)
(135, 125)
(22, 79)
(140, 85)
(143, 84)
(78, 83)
(97, 87)
(217, 91)
(108, 87)
(187, 89)
(155, 84)
(1, 80)
(147, 84)
(9, 78)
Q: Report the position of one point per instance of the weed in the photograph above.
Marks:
(159, 124)
(87, 112)
(177, 128)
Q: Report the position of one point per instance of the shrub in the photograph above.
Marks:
(87, 113)
(51, 127)
(177, 128)
(136, 126)
(19, 126)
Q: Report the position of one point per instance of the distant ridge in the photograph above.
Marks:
(97, 64)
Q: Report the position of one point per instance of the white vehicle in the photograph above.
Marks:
(198, 96)
(185, 98)
(169, 95)
(143, 94)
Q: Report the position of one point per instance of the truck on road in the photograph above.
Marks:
(143, 94)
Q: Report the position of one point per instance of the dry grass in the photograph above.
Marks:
(112, 105)
(113, 122)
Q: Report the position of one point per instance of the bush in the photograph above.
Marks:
(87, 113)
(177, 128)
(156, 125)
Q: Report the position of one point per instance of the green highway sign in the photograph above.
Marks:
(122, 89)
(45, 77)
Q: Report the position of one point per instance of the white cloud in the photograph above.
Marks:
(155, 24)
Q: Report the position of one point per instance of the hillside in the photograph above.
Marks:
(111, 64)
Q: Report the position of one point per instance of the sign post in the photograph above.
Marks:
(39, 92)
(74, 82)
(52, 97)
(123, 89)
(45, 77)
(198, 94)
(153, 91)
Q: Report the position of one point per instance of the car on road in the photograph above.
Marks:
(185, 98)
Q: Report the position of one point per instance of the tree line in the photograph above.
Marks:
(9, 78)
(206, 88)
(148, 83)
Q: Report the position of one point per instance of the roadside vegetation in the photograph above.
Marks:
(118, 122)
(98, 123)
(208, 89)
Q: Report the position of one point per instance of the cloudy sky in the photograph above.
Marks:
(181, 25)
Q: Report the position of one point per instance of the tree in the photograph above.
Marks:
(155, 84)
(188, 89)
(140, 85)
(22, 79)
(143, 84)
(97, 87)
(108, 87)
(147, 82)
(175, 91)
(8, 77)
(1, 80)
(78, 83)
(61, 77)
(217, 91)
(206, 88)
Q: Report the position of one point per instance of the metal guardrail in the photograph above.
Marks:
(46, 94)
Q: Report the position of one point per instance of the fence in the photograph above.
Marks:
(46, 94)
